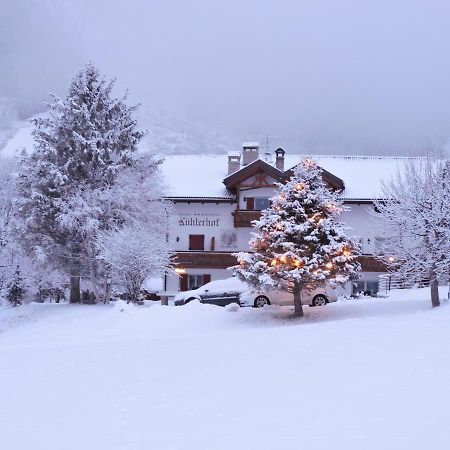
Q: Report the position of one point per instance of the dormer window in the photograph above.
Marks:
(257, 203)
(261, 203)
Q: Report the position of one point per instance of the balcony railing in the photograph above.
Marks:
(243, 218)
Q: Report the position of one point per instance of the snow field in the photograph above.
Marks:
(356, 374)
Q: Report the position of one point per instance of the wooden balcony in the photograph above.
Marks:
(371, 264)
(210, 260)
(243, 218)
(222, 260)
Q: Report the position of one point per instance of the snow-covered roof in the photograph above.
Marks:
(362, 175)
(201, 176)
(196, 176)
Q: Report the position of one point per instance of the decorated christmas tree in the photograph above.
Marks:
(299, 242)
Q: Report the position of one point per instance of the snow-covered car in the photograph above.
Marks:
(319, 296)
(219, 292)
(232, 290)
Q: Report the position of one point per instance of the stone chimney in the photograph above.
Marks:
(250, 152)
(279, 160)
(234, 162)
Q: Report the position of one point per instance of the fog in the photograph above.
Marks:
(327, 76)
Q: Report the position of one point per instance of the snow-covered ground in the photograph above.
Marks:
(359, 374)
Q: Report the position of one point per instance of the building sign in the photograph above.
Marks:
(198, 220)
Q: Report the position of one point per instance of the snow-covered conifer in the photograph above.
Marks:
(16, 288)
(299, 241)
(81, 147)
(414, 221)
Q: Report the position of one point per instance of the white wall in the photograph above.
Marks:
(259, 192)
(209, 219)
(216, 220)
(359, 219)
(187, 219)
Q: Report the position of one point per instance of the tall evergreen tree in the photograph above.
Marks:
(81, 147)
(299, 242)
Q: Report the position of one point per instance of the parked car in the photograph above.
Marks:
(232, 290)
(220, 292)
(319, 296)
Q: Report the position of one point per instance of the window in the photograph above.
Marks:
(372, 288)
(358, 287)
(196, 281)
(196, 242)
(257, 203)
(261, 203)
(365, 287)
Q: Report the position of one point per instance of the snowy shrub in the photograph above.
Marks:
(134, 253)
(47, 292)
(232, 307)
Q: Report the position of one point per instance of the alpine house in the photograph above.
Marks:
(216, 198)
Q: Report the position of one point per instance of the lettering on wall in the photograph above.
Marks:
(199, 220)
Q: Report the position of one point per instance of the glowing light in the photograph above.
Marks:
(300, 186)
(180, 270)
(331, 207)
(308, 162)
(283, 259)
(391, 259)
(346, 252)
(329, 265)
(273, 262)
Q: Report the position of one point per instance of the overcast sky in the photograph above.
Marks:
(352, 76)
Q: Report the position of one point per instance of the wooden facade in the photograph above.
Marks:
(223, 260)
(243, 218)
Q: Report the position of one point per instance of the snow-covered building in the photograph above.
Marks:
(216, 197)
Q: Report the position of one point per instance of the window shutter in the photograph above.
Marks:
(183, 282)
(196, 242)
(206, 278)
(251, 203)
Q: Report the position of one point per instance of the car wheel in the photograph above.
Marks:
(261, 301)
(320, 300)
